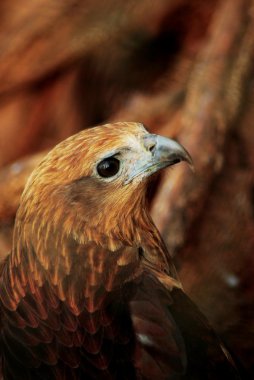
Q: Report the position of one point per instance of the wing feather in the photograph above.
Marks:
(110, 329)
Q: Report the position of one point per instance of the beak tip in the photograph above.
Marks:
(183, 155)
(192, 167)
(189, 161)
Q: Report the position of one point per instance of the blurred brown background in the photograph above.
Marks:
(183, 68)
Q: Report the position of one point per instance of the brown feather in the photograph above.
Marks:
(89, 289)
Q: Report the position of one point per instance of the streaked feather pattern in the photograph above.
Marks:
(89, 290)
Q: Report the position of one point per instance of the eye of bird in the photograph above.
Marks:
(108, 167)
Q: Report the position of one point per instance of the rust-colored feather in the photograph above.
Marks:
(89, 289)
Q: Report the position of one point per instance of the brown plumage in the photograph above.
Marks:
(89, 290)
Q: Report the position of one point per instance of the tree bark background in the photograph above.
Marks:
(185, 69)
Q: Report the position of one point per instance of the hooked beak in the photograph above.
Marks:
(166, 152)
(160, 152)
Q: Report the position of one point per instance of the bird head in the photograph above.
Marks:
(96, 178)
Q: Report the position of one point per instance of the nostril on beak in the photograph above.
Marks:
(150, 142)
(151, 147)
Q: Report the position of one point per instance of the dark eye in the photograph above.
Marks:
(108, 167)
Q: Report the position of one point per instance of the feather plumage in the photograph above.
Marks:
(89, 289)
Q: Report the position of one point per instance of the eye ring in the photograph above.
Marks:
(108, 167)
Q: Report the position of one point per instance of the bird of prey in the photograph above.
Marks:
(89, 290)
